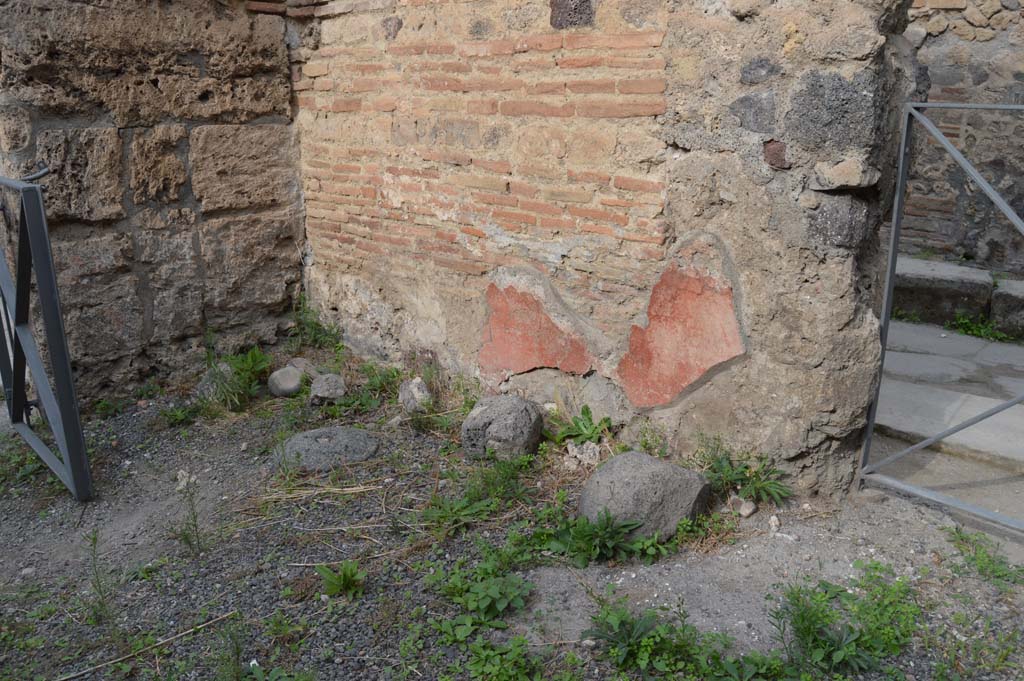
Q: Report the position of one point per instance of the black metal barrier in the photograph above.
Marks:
(20, 359)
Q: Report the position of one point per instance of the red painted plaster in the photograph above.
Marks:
(691, 328)
(520, 336)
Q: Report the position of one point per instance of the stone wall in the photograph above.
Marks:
(667, 209)
(974, 51)
(174, 204)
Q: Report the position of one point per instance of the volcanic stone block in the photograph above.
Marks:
(936, 291)
(324, 449)
(572, 13)
(507, 425)
(637, 487)
(85, 173)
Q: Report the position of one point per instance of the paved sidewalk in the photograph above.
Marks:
(935, 379)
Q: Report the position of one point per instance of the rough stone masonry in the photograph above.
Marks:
(667, 208)
(174, 197)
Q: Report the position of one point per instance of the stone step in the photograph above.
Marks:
(915, 412)
(933, 291)
(1008, 307)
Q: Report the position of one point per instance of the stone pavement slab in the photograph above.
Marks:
(915, 412)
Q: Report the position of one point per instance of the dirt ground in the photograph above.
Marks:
(267, 531)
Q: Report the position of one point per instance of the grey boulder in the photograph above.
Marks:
(285, 382)
(324, 449)
(508, 425)
(304, 365)
(637, 487)
(415, 396)
(327, 389)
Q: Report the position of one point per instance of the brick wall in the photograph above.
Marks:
(173, 200)
(973, 51)
(668, 210)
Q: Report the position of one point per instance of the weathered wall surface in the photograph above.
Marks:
(670, 208)
(974, 51)
(174, 203)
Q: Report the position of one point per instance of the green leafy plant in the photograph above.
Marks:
(448, 515)
(256, 673)
(980, 327)
(509, 662)
(492, 597)
(729, 472)
(106, 409)
(181, 416)
(309, 331)
(582, 428)
(583, 541)
(499, 479)
(347, 581)
(237, 379)
(982, 555)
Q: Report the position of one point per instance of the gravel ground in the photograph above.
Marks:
(266, 533)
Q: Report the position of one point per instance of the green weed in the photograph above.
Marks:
(449, 515)
(979, 327)
(583, 542)
(189, 532)
(583, 428)
(982, 555)
(309, 331)
(101, 600)
(730, 472)
(348, 581)
(237, 385)
(508, 662)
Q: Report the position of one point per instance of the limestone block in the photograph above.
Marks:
(85, 181)
(251, 263)
(15, 128)
(156, 170)
(242, 166)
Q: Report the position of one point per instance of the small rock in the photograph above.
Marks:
(508, 425)
(851, 172)
(28, 572)
(747, 509)
(638, 487)
(327, 389)
(1011, 4)
(774, 524)
(324, 449)
(588, 643)
(305, 366)
(414, 396)
(585, 456)
(285, 382)
(734, 502)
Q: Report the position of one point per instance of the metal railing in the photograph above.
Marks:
(20, 358)
(869, 472)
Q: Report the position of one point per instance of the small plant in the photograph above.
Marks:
(583, 541)
(106, 409)
(449, 515)
(237, 378)
(228, 657)
(189, 533)
(982, 555)
(492, 597)
(347, 581)
(901, 315)
(283, 630)
(582, 428)
(181, 416)
(509, 662)
(707, 532)
(728, 472)
(18, 463)
(101, 602)
(653, 440)
(256, 673)
(499, 479)
(980, 327)
(309, 331)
